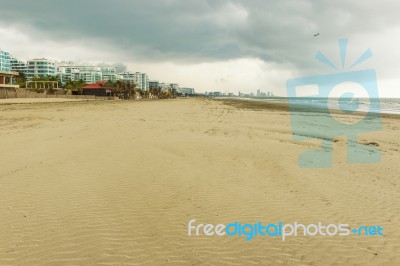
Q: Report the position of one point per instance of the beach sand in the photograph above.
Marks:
(116, 183)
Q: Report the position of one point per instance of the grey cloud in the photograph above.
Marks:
(203, 31)
(121, 67)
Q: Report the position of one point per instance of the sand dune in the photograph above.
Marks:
(115, 183)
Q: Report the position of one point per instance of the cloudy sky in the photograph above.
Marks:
(241, 45)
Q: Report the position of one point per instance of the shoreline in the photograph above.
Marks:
(280, 106)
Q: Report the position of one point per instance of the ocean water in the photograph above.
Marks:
(386, 105)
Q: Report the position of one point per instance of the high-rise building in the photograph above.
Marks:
(5, 64)
(40, 68)
(188, 91)
(7, 76)
(109, 73)
(154, 84)
(174, 86)
(89, 74)
(127, 76)
(165, 86)
(140, 79)
(17, 65)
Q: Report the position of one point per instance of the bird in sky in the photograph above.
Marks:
(316, 34)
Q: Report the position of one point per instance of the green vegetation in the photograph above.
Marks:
(75, 85)
(121, 89)
(21, 80)
(125, 89)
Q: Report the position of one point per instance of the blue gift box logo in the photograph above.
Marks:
(326, 123)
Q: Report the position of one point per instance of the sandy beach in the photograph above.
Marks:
(116, 183)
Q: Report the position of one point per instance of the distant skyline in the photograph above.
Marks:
(225, 46)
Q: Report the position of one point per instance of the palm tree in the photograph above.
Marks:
(125, 89)
(21, 80)
(118, 89)
(146, 94)
(75, 85)
(136, 90)
(155, 92)
(131, 89)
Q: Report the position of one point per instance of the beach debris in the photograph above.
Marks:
(372, 143)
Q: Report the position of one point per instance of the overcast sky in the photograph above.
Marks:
(209, 45)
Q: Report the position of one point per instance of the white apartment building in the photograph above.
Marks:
(109, 73)
(5, 65)
(7, 76)
(165, 86)
(188, 91)
(127, 76)
(40, 68)
(17, 65)
(174, 86)
(89, 74)
(141, 79)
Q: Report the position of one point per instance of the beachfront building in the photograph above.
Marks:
(6, 83)
(140, 79)
(174, 87)
(154, 84)
(40, 67)
(109, 73)
(98, 89)
(5, 61)
(89, 74)
(7, 80)
(127, 76)
(7, 76)
(18, 66)
(261, 94)
(215, 94)
(165, 86)
(187, 91)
